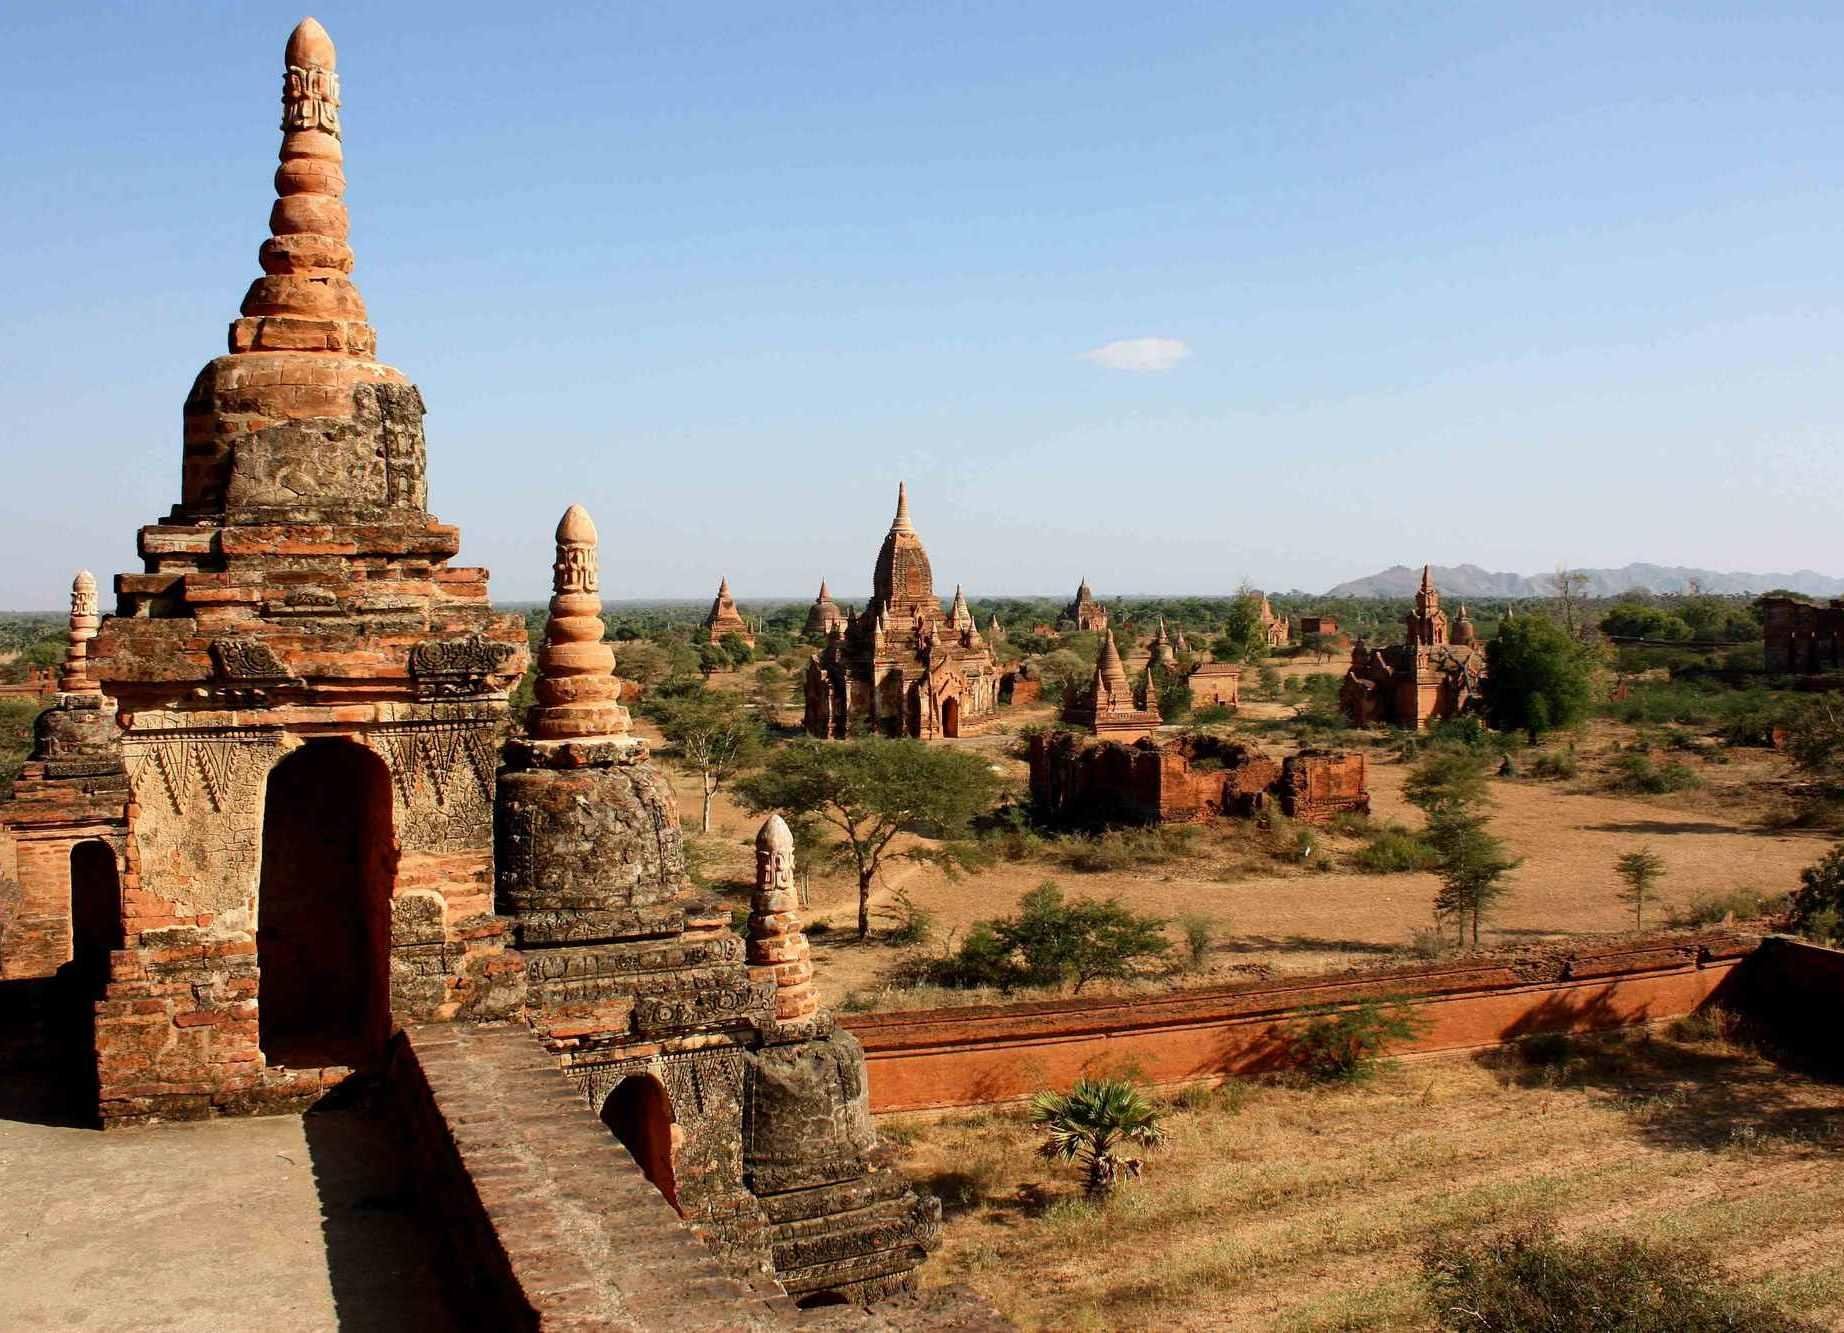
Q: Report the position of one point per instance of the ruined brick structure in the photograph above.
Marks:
(901, 667)
(824, 615)
(708, 1056)
(724, 619)
(1326, 625)
(40, 683)
(1188, 778)
(1217, 684)
(274, 819)
(1108, 707)
(1435, 675)
(1085, 613)
(1800, 637)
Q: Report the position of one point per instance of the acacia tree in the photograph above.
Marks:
(1641, 870)
(871, 790)
(713, 734)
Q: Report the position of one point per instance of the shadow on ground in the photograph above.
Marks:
(380, 1258)
(1700, 1093)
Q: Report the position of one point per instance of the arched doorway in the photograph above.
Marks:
(323, 907)
(639, 1113)
(950, 717)
(95, 914)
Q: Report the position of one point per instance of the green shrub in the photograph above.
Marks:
(1346, 1045)
(1527, 1278)
(1710, 909)
(1395, 850)
(1051, 942)
(1199, 931)
(1817, 907)
(1638, 773)
(1127, 849)
(909, 924)
(1553, 765)
(1211, 715)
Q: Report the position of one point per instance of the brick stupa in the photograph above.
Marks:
(1107, 708)
(295, 658)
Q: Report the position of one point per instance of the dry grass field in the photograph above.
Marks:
(1300, 1208)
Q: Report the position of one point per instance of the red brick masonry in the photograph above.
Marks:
(938, 1058)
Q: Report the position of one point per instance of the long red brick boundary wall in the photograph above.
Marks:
(941, 1058)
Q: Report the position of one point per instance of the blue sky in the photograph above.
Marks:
(1509, 284)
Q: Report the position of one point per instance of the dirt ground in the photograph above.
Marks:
(289, 1224)
(1304, 1209)
(1273, 910)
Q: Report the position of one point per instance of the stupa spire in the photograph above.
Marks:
(577, 692)
(305, 301)
(75, 678)
(778, 949)
(901, 522)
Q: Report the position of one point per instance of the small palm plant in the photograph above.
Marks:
(1087, 1123)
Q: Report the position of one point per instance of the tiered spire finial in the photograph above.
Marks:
(75, 678)
(901, 522)
(777, 947)
(577, 692)
(305, 301)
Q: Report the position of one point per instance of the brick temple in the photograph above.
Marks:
(1435, 674)
(901, 667)
(1085, 613)
(724, 619)
(276, 821)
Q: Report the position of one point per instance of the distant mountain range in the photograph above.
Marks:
(1472, 581)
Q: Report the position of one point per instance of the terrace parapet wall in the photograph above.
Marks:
(942, 1058)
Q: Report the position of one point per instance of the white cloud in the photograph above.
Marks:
(1140, 354)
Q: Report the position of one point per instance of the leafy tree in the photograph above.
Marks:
(1446, 780)
(1052, 941)
(1320, 646)
(1631, 620)
(1450, 788)
(713, 734)
(1641, 871)
(1570, 587)
(1064, 674)
(1243, 638)
(1090, 1123)
(1815, 737)
(1539, 677)
(1472, 865)
(1817, 909)
(871, 790)
(736, 649)
(711, 658)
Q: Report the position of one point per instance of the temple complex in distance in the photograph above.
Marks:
(901, 667)
(724, 619)
(1273, 628)
(273, 833)
(1436, 674)
(1085, 613)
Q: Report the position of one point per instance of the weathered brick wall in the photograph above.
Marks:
(549, 1221)
(931, 1059)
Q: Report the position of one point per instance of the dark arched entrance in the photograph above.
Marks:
(950, 717)
(95, 914)
(640, 1114)
(323, 907)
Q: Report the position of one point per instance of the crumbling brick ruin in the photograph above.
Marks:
(1215, 684)
(901, 667)
(273, 820)
(1802, 638)
(1188, 778)
(1437, 674)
